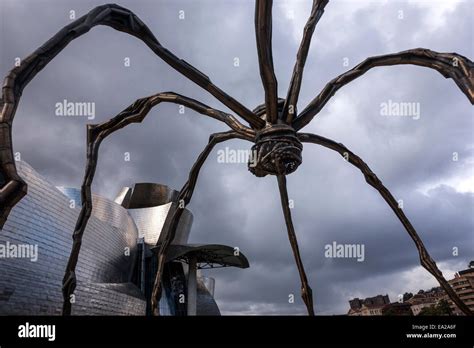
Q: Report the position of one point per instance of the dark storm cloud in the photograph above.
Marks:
(230, 206)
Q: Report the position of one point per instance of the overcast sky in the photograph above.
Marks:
(332, 202)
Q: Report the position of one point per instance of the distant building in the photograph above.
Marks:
(368, 306)
(425, 299)
(463, 284)
(380, 305)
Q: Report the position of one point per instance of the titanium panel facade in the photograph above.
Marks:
(150, 223)
(44, 218)
(149, 204)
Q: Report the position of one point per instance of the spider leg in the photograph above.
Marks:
(425, 259)
(450, 65)
(306, 292)
(295, 83)
(263, 33)
(12, 186)
(177, 208)
(135, 113)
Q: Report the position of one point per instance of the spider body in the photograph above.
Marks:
(274, 127)
(277, 151)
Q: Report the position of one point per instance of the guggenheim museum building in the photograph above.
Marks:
(117, 263)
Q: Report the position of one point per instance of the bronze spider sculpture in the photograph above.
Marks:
(273, 127)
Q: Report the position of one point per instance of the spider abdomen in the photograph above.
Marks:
(277, 150)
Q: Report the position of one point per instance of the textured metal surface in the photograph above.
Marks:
(277, 150)
(104, 209)
(123, 197)
(150, 223)
(146, 195)
(306, 291)
(44, 218)
(263, 34)
(295, 84)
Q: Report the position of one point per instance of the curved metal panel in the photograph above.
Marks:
(146, 195)
(206, 305)
(123, 197)
(103, 209)
(45, 220)
(150, 223)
